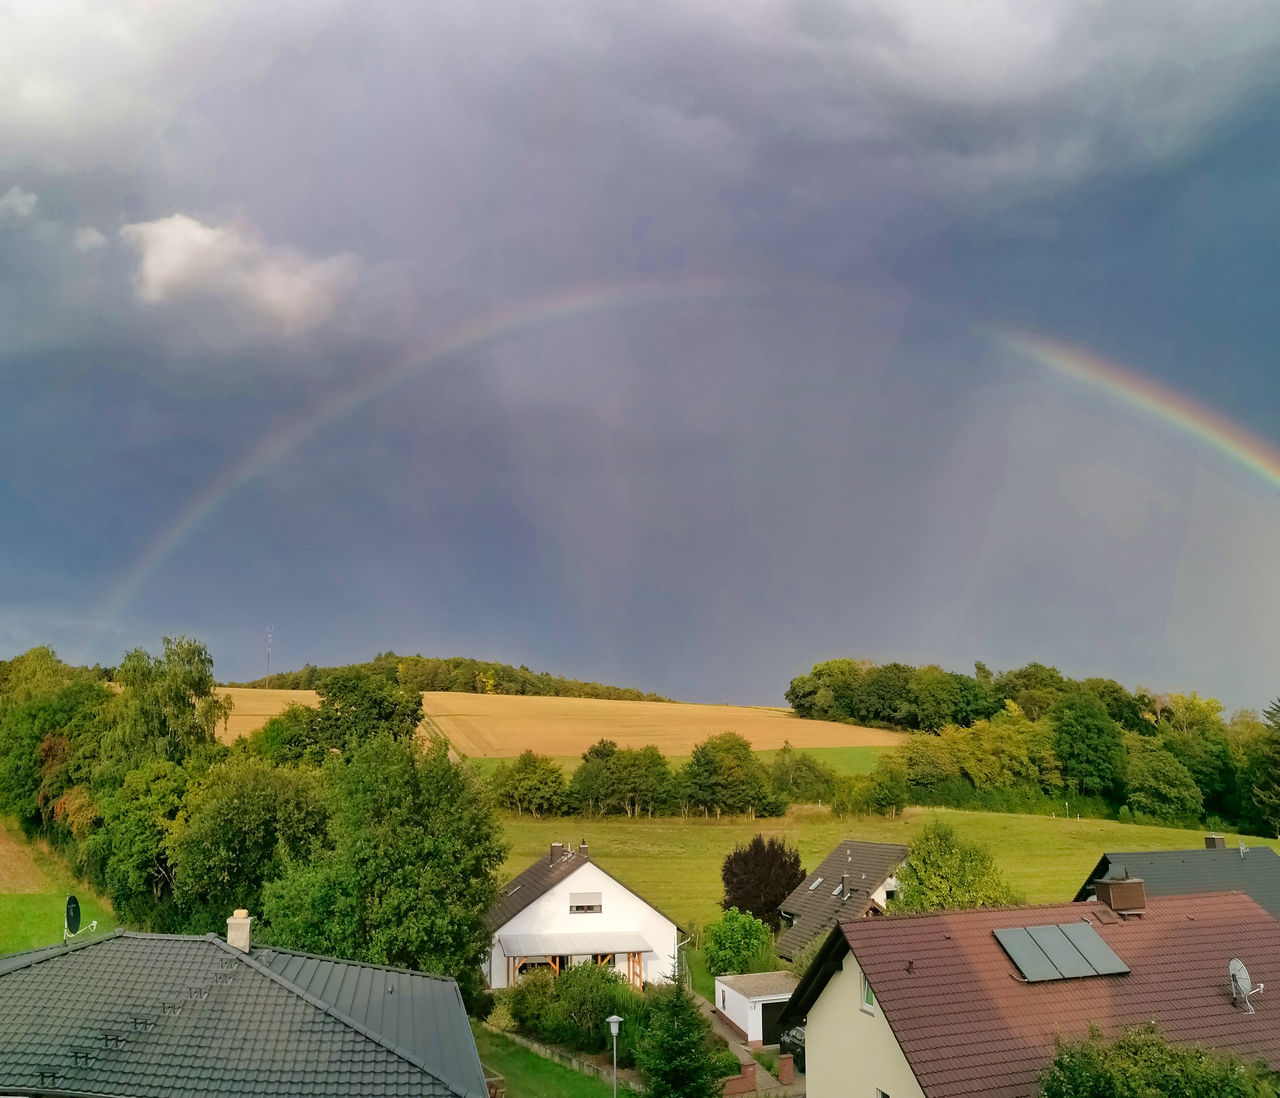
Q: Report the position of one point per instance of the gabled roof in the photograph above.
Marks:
(814, 910)
(150, 1014)
(1177, 872)
(761, 985)
(969, 1025)
(539, 879)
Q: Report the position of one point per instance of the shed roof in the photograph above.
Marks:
(814, 910)
(968, 1025)
(762, 985)
(1177, 872)
(137, 1015)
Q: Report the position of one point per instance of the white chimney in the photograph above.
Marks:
(238, 930)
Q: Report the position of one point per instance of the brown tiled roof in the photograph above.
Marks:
(968, 1024)
(815, 910)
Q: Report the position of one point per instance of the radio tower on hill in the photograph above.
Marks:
(268, 657)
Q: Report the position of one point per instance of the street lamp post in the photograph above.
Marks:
(614, 1022)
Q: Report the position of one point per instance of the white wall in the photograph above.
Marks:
(621, 910)
(881, 894)
(737, 1008)
(850, 1053)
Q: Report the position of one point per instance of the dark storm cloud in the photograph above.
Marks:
(215, 217)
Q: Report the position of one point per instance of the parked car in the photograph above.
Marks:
(792, 1041)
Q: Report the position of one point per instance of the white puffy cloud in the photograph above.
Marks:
(17, 204)
(268, 290)
(89, 239)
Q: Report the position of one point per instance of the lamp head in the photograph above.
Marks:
(614, 1022)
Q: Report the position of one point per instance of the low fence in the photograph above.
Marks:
(566, 1059)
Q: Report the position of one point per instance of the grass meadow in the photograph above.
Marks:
(33, 895)
(675, 863)
(528, 1075)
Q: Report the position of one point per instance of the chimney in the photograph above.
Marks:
(844, 885)
(1124, 895)
(582, 850)
(557, 852)
(1215, 841)
(238, 930)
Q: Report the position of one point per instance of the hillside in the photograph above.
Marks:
(500, 726)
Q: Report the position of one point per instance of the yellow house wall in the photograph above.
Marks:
(849, 1053)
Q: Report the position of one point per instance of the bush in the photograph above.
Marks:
(1125, 815)
(530, 998)
(583, 997)
(725, 1063)
(733, 940)
(500, 1016)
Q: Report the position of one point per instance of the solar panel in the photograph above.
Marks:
(1094, 950)
(1029, 957)
(1061, 953)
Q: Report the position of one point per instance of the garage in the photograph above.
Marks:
(752, 1004)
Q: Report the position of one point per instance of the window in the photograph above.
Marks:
(880, 1093)
(584, 902)
(815, 884)
(868, 997)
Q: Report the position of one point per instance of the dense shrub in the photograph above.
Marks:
(734, 940)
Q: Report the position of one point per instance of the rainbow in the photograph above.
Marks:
(1124, 386)
(507, 319)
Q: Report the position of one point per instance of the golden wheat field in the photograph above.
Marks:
(253, 708)
(499, 726)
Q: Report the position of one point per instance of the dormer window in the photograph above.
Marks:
(583, 903)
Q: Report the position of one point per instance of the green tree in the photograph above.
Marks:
(800, 778)
(1088, 743)
(1266, 782)
(733, 940)
(239, 824)
(1142, 1064)
(1193, 731)
(168, 705)
(639, 781)
(407, 870)
(533, 783)
(592, 781)
(944, 872)
(674, 1057)
(1158, 785)
(759, 875)
(357, 704)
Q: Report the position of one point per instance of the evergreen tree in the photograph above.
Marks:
(674, 1058)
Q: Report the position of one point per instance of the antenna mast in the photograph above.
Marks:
(268, 657)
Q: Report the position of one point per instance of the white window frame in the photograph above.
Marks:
(868, 1002)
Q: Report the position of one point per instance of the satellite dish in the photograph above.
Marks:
(73, 915)
(1241, 985)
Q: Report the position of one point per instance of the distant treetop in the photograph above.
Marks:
(458, 675)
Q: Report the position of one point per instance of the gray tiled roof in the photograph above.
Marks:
(138, 1015)
(760, 985)
(1176, 872)
(814, 911)
(533, 883)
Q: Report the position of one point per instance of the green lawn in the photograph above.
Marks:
(529, 1075)
(700, 977)
(30, 919)
(675, 863)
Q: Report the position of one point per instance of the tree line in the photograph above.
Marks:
(340, 832)
(456, 674)
(723, 776)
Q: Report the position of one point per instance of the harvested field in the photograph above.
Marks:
(255, 707)
(499, 726)
(18, 870)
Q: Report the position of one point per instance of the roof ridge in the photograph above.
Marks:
(377, 1038)
(58, 949)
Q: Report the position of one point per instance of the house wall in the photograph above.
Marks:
(881, 894)
(745, 1015)
(736, 1009)
(850, 1053)
(621, 910)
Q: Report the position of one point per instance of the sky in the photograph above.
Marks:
(660, 344)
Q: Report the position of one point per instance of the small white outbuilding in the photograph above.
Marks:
(752, 1004)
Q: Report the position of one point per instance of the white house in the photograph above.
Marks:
(565, 909)
(752, 1004)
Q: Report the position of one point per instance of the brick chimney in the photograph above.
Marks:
(1124, 895)
(557, 852)
(238, 930)
(1215, 841)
